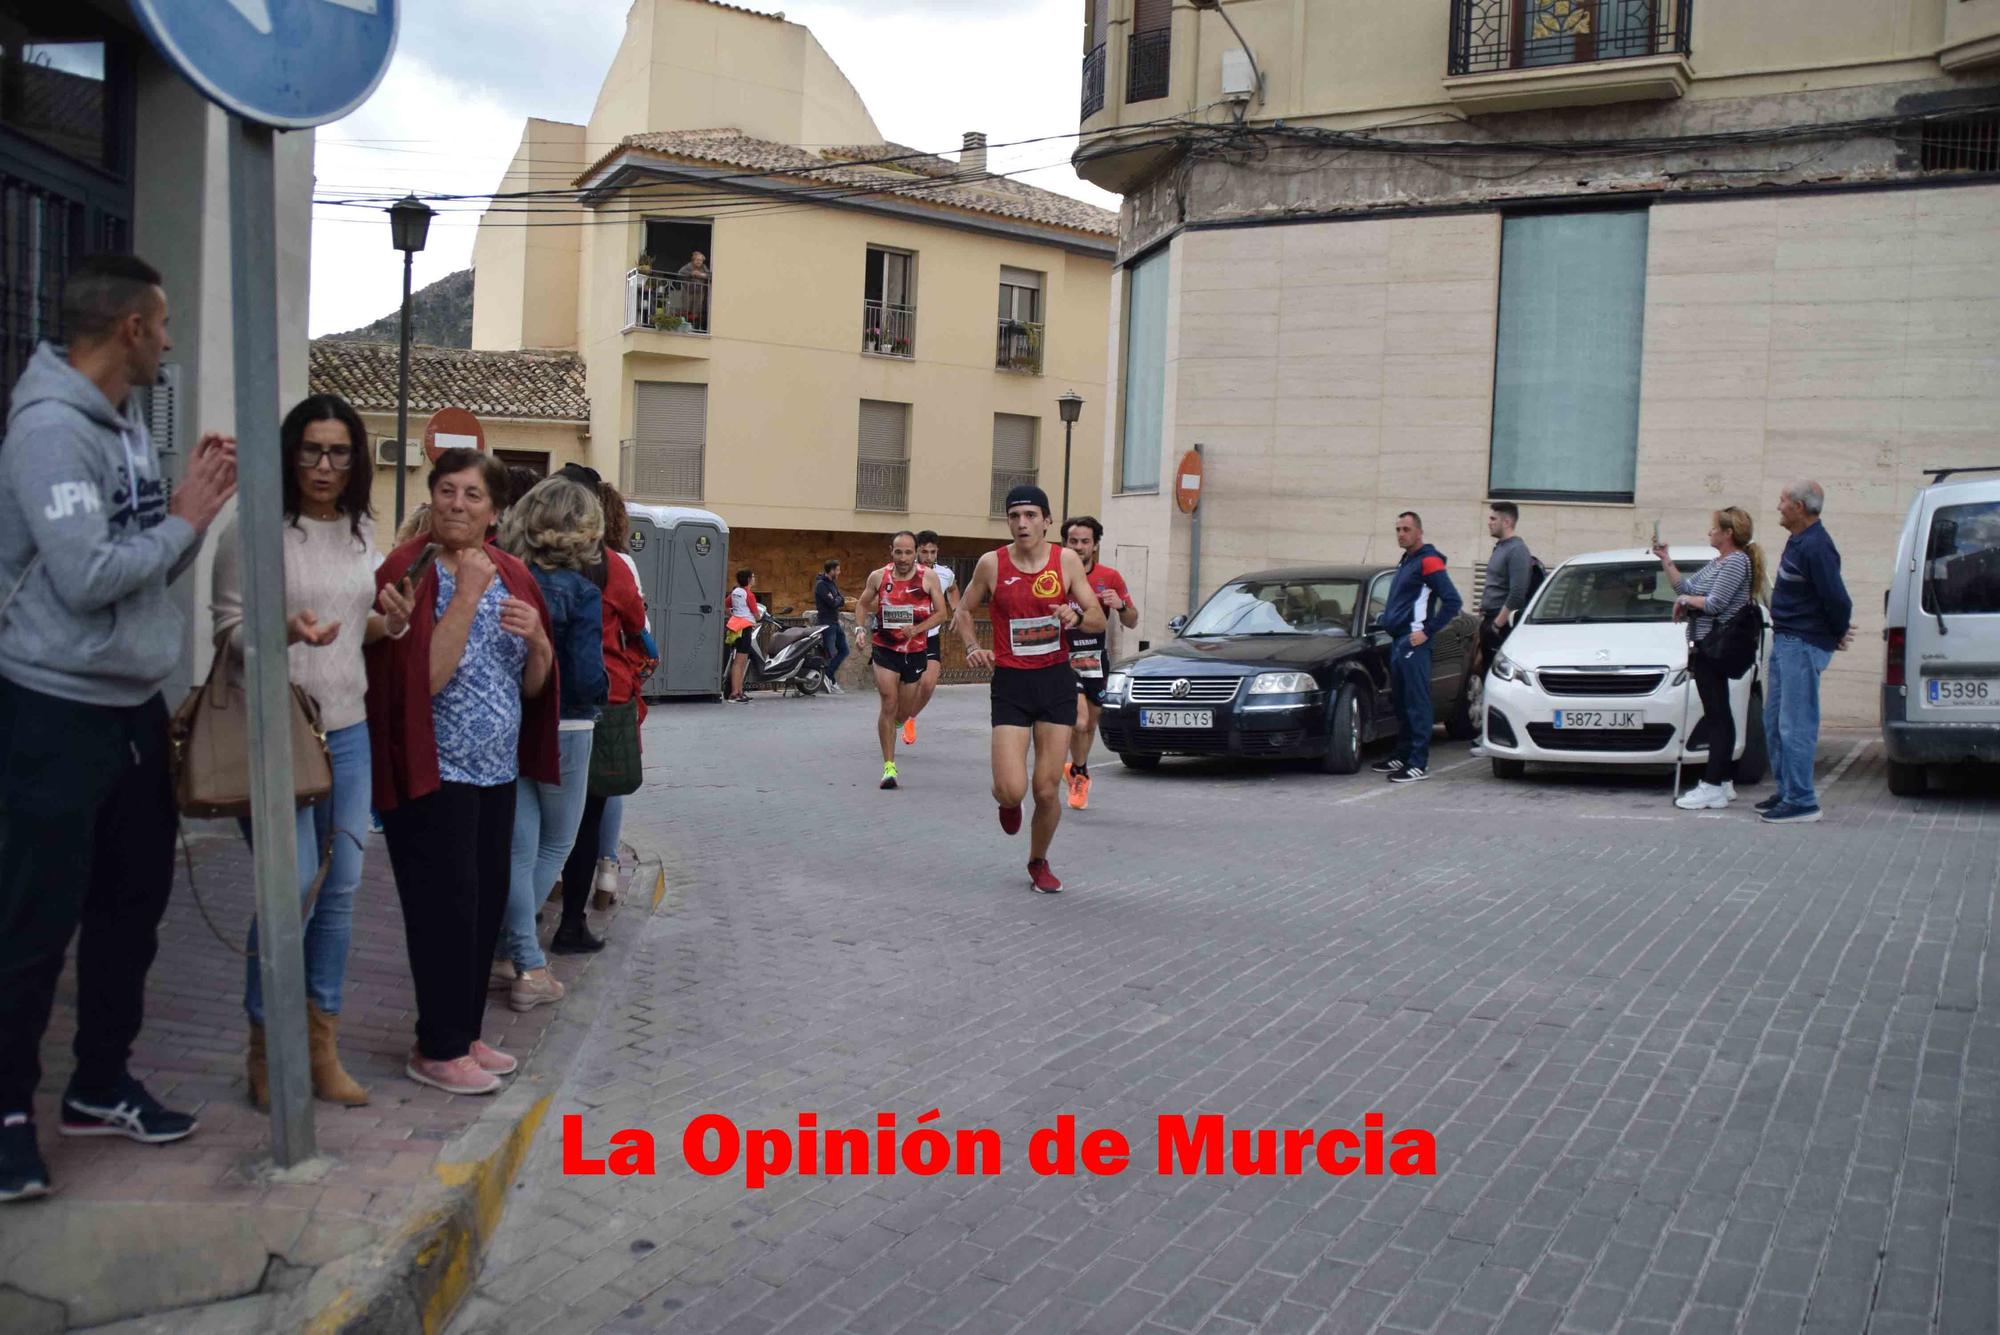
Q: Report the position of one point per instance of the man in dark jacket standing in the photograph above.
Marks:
(828, 600)
(1422, 602)
(1813, 618)
(88, 544)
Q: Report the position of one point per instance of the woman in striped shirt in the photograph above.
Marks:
(1712, 595)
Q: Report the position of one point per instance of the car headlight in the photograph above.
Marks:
(1116, 683)
(1506, 669)
(1282, 683)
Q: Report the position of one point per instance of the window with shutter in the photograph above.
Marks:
(663, 460)
(1014, 438)
(882, 463)
(1019, 345)
(1149, 50)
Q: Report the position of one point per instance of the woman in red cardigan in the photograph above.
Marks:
(593, 861)
(459, 707)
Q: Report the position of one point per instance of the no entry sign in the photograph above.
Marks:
(1187, 482)
(452, 429)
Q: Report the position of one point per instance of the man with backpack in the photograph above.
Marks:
(1510, 579)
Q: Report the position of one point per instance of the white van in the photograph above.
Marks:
(1941, 684)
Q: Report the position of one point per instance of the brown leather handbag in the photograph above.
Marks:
(210, 737)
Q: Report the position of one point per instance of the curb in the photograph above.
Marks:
(416, 1279)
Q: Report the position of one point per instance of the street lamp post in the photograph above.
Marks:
(409, 224)
(1071, 407)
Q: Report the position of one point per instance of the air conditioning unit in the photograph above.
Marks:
(385, 454)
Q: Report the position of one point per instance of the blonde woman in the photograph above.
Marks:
(557, 530)
(1712, 595)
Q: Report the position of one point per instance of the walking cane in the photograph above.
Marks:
(1680, 738)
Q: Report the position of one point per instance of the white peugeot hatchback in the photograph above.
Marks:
(1596, 673)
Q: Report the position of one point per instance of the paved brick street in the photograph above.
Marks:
(1685, 1072)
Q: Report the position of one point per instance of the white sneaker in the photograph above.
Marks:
(1703, 797)
(1729, 791)
(1478, 751)
(834, 687)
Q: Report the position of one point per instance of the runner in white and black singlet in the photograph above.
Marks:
(1038, 591)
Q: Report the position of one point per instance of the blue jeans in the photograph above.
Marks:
(611, 828)
(1410, 680)
(546, 816)
(330, 925)
(836, 648)
(1791, 716)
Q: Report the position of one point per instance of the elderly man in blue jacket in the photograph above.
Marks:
(1813, 618)
(1422, 602)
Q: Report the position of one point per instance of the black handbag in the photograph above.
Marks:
(1730, 647)
(616, 766)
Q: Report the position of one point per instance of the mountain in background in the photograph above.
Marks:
(440, 315)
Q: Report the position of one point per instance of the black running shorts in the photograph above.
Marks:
(1090, 688)
(935, 653)
(1023, 697)
(909, 668)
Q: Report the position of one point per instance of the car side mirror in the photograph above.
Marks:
(1177, 625)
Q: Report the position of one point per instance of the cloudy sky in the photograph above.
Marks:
(467, 72)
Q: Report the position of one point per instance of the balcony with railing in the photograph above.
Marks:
(1093, 81)
(1018, 347)
(882, 484)
(1514, 55)
(668, 303)
(888, 330)
(654, 472)
(1149, 64)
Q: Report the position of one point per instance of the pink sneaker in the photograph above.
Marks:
(491, 1060)
(461, 1075)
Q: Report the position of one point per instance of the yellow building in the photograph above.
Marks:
(1619, 262)
(530, 405)
(858, 349)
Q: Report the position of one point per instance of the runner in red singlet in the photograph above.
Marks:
(903, 601)
(1090, 655)
(1038, 591)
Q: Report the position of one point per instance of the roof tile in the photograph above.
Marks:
(543, 385)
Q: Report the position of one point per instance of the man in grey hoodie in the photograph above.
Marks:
(89, 541)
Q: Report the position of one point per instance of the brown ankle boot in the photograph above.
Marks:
(330, 1081)
(260, 1078)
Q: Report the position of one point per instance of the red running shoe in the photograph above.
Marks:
(1010, 819)
(1044, 880)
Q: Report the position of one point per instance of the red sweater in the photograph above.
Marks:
(624, 632)
(402, 741)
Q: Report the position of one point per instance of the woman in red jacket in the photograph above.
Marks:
(628, 661)
(458, 709)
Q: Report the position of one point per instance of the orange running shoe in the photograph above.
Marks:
(909, 732)
(1079, 788)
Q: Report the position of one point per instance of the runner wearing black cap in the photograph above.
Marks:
(903, 601)
(1038, 591)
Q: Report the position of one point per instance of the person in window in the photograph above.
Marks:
(330, 601)
(693, 294)
(458, 710)
(557, 529)
(1712, 595)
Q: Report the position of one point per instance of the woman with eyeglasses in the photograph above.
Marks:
(330, 612)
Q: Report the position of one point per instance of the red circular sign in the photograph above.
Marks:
(452, 428)
(1187, 482)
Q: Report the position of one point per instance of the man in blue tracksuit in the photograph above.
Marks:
(1813, 618)
(1421, 603)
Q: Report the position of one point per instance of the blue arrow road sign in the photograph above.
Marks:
(286, 63)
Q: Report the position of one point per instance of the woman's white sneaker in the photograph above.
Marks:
(1703, 797)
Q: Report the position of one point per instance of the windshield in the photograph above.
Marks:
(1278, 607)
(1629, 591)
(1964, 558)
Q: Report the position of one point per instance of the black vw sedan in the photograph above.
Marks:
(1282, 663)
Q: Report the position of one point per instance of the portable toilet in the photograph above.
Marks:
(683, 560)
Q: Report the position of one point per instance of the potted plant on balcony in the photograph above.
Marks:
(645, 262)
(900, 347)
(871, 339)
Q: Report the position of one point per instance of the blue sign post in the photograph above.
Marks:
(273, 65)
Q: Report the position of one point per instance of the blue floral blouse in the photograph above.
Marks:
(477, 716)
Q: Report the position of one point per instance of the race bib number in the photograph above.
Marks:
(1089, 663)
(1034, 637)
(898, 618)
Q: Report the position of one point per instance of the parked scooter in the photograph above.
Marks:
(786, 658)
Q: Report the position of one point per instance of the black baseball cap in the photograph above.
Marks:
(1028, 494)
